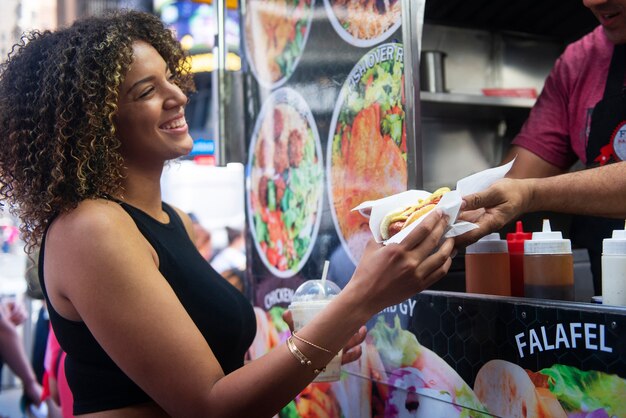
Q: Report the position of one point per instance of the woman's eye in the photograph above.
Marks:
(146, 92)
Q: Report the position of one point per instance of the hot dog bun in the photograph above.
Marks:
(399, 219)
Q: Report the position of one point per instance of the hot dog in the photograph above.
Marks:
(397, 220)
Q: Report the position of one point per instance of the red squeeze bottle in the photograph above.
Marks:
(515, 241)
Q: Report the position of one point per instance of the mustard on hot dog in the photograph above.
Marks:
(397, 220)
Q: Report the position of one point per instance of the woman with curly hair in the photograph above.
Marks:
(88, 116)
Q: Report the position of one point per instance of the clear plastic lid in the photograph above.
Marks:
(315, 290)
(488, 244)
(616, 245)
(547, 241)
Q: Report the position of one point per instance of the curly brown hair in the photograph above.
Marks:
(58, 97)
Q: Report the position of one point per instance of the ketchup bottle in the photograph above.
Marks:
(515, 241)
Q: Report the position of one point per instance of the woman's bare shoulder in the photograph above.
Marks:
(92, 222)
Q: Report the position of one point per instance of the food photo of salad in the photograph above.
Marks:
(364, 23)
(275, 33)
(284, 183)
(367, 147)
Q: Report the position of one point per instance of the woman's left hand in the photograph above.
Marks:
(351, 351)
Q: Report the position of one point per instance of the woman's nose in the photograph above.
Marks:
(176, 97)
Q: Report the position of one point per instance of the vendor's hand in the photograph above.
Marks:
(352, 349)
(390, 274)
(493, 208)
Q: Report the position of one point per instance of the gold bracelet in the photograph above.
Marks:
(297, 353)
(300, 356)
(297, 337)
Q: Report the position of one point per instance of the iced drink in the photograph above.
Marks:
(309, 300)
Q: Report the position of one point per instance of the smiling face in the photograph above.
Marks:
(150, 121)
(612, 17)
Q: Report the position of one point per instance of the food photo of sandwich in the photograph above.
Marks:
(364, 23)
(275, 34)
(284, 183)
(507, 391)
(560, 391)
(367, 147)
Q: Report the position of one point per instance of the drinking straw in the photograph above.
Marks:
(324, 274)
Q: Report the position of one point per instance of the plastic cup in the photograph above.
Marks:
(309, 300)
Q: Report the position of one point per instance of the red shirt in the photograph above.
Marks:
(557, 129)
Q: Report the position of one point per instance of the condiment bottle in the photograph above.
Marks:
(614, 269)
(515, 242)
(487, 266)
(548, 265)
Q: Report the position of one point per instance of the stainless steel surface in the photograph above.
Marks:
(221, 136)
(454, 149)
(479, 59)
(476, 99)
(432, 71)
(464, 131)
(412, 24)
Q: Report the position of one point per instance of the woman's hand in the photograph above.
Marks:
(493, 208)
(351, 351)
(390, 274)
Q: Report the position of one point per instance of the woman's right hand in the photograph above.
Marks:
(390, 274)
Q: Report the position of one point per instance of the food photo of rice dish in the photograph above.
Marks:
(364, 23)
(284, 183)
(275, 32)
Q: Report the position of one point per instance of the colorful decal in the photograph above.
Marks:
(364, 23)
(615, 150)
(284, 183)
(276, 32)
(367, 151)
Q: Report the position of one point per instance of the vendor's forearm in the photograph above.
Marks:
(600, 192)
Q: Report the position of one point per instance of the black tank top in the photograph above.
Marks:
(222, 314)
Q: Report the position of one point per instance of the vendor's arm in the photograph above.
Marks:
(599, 192)
(114, 286)
(528, 164)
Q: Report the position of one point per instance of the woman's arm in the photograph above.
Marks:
(114, 286)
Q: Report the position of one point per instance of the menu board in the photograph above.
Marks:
(325, 123)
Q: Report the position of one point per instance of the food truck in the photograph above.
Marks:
(337, 112)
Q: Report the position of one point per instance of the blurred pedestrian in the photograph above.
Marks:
(202, 238)
(233, 256)
(13, 353)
